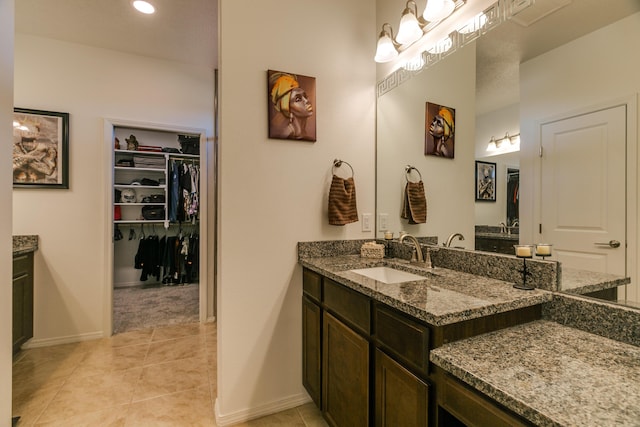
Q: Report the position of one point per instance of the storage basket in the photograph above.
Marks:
(372, 250)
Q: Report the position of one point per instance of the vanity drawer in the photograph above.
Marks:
(350, 305)
(402, 337)
(22, 264)
(312, 284)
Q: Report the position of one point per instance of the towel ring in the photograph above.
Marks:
(337, 163)
(408, 170)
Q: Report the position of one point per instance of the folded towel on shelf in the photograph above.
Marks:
(414, 207)
(342, 201)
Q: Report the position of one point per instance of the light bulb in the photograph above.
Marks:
(144, 7)
(437, 10)
(410, 30)
(385, 51)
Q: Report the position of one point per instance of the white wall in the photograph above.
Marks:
(496, 123)
(274, 192)
(599, 68)
(6, 132)
(401, 135)
(90, 84)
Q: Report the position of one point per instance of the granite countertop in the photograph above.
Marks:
(24, 244)
(552, 375)
(581, 281)
(443, 297)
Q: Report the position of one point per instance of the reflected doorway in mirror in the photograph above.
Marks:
(439, 130)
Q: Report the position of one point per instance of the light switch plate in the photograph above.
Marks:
(366, 222)
(383, 222)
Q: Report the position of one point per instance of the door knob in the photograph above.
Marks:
(611, 244)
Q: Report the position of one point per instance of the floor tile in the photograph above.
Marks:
(112, 417)
(289, 418)
(187, 408)
(171, 377)
(176, 331)
(108, 359)
(168, 350)
(311, 415)
(90, 394)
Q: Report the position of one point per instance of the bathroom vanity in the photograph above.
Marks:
(388, 354)
(23, 249)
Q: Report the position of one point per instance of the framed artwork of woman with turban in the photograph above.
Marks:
(439, 130)
(292, 100)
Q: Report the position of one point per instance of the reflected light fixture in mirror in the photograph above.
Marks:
(143, 7)
(412, 28)
(508, 144)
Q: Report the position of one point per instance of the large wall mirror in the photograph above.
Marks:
(492, 86)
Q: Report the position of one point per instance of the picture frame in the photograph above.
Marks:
(485, 181)
(40, 149)
(439, 131)
(291, 102)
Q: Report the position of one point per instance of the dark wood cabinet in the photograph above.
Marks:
(502, 246)
(401, 398)
(367, 364)
(458, 404)
(312, 349)
(345, 375)
(22, 300)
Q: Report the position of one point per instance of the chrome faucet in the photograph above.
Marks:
(515, 223)
(503, 227)
(418, 250)
(453, 236)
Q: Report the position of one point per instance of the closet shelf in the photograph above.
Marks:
(138, 186)
(159, 154)
(136, 169)
(138, 204)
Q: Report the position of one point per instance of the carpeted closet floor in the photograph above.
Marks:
(138, 307)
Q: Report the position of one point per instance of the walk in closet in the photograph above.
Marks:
(158, 216)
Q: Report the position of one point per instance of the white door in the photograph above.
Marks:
(583, 190)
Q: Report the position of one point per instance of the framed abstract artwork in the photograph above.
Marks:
(40, 149)
(485, 181)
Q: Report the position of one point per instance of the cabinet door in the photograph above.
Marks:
(345, 372)
(401, 398)
(22, 311)
(311, 349)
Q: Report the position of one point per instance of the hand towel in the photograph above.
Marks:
(415, 203)
(342, 201)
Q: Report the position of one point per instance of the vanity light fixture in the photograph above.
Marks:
(437, 10)
(410, 29)
(493, 146)
(513, 142)
(386, 50)
(143, 7)
(413, 27)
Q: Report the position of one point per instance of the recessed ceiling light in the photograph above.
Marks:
(144, 7)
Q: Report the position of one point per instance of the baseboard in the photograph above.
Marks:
(260, 411)
(46, 342)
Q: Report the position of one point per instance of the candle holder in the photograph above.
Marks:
(543, 250)
(524, 252)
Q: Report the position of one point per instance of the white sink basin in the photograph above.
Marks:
(387, 274)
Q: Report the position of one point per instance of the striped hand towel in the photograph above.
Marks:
(342, 201)
(415, 203)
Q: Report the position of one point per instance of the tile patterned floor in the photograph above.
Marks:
(164, 376)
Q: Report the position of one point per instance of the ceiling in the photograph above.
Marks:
(541, 27)
(180, 30)
(186, 31)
